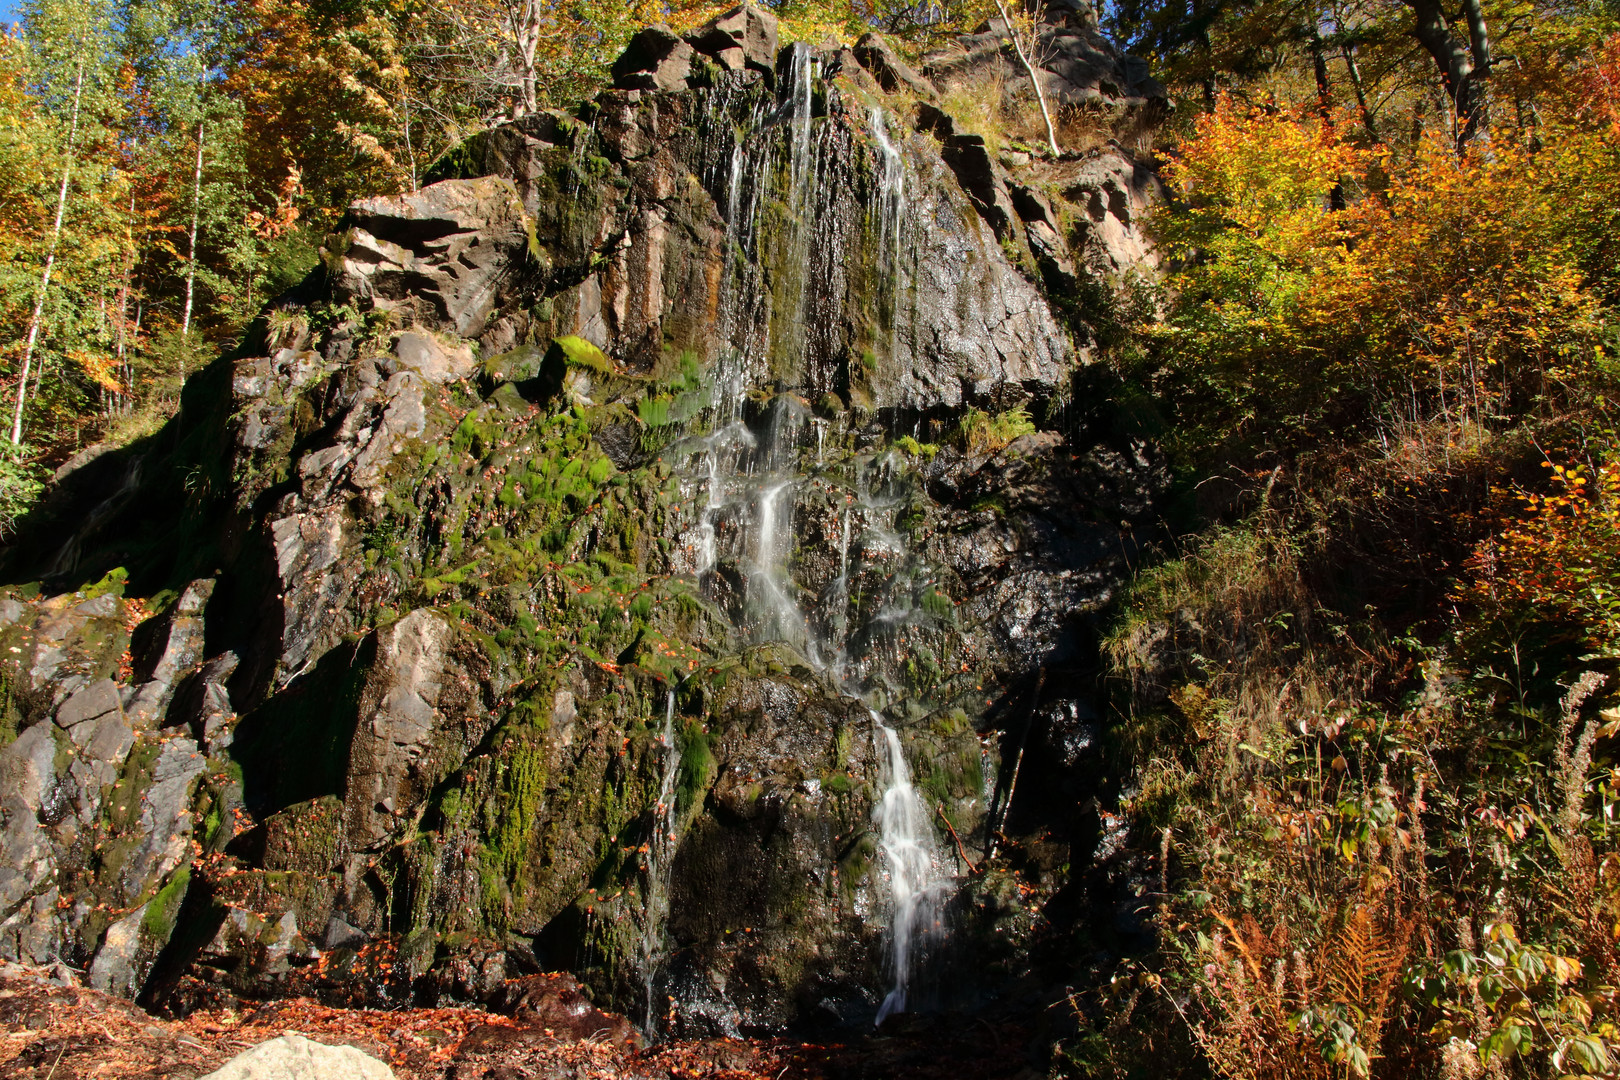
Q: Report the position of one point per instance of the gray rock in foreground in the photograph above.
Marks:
(293, 1057)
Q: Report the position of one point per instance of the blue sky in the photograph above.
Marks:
(8, 11)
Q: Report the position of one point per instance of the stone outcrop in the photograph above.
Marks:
(743, 39)
(445, 251)
(1079, 68)
(546, 563)
(892, 73)
(655, 59)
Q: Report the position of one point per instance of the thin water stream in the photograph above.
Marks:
(750, 480)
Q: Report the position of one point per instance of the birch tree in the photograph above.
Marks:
(66, 46)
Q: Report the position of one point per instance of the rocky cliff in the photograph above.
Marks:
(658, 548)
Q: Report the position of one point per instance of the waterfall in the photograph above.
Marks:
(891, 220)
(772, 607)
(755, 483)
(722, 450)
(660, 857)
(917, 880)
(892, 192)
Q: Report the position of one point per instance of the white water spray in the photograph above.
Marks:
(660, 859)
(917, 879)
(756, 486)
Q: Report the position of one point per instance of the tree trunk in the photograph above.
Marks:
(1464, 66)
(191, 253)
(1034, 76)
(1324, 104)
(50, 258)
(525, 28)
(1361, 91)
(123, 307)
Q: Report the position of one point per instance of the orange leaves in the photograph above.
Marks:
(98, 367)
(1259, 166)
(1459, 269)
(1598, 86)
(1450, 288)
(1558, 564)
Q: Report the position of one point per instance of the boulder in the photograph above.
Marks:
(203, 702)
(27, 779)
(558, 1002)
(744, 38)
(655, 59)
(173, 651)
(293, 1057)
(114, 969)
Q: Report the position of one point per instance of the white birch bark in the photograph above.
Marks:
(191, 253)
(50, 258)
(1034, 76)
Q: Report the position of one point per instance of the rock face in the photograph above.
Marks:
(445, 251)
(529, 591)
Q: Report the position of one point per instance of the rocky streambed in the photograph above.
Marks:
(664, 548)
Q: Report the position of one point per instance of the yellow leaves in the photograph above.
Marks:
(98, 367)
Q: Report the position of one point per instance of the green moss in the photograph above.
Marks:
(912, 448)
(979, 432)
(158, 921)
(474, 436)
(522, 782)
(697, 765)
(465, 160)
(582, 354)
(112, 582)
(938, 604)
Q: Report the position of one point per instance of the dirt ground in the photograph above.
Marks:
(53, 1029)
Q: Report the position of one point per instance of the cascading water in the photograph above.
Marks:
(917, 880)
(651, 947)
(754, 482)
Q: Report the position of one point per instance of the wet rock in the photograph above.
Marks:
(293, 1057)
(259, 941)
(341, 935)
(557, 1002)
(777, 829)
(453, 627)
(444, 251)
(655, 59)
